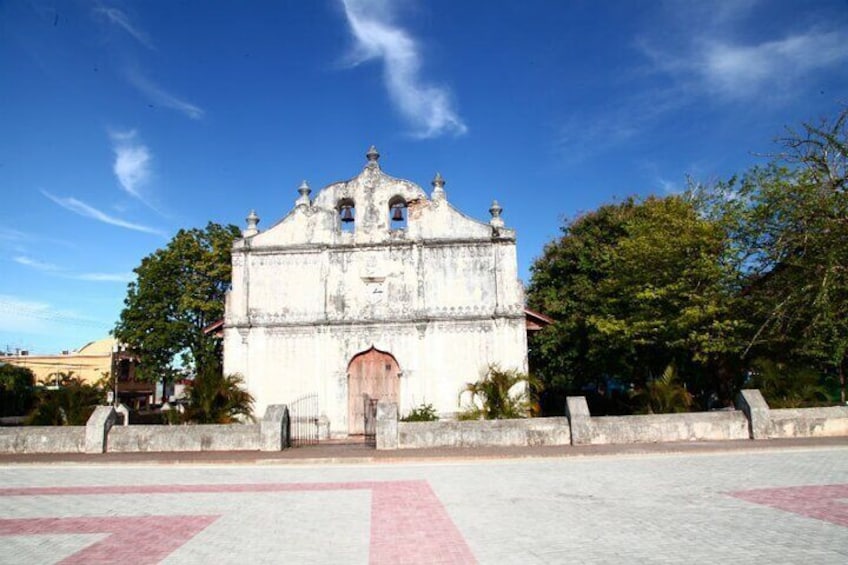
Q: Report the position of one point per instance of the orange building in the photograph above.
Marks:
(92, 362)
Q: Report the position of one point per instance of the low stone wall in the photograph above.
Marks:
(100, 435)
(479, 433)
(210, 437)
(43, 439)
(659, 428)
(754, 421)
(808, 422)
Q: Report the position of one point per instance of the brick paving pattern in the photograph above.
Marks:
(787, 505)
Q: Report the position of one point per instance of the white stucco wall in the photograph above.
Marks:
(442, 296)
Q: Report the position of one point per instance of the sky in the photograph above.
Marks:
(123, 122)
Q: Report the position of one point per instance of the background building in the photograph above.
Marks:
(92, 362)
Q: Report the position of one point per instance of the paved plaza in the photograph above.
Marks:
(759, 506)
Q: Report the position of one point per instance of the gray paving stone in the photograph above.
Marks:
(637, 508)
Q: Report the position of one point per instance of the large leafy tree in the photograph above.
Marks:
(635, 287)
(178, 291)
(17, 389)
(789, 221)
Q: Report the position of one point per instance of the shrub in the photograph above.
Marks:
(784, 386)
(423, 413)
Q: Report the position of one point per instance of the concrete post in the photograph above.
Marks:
(274, 428)
(752, 403)
(579, 419)
(123, 413)
(387, 425)
(97, 429)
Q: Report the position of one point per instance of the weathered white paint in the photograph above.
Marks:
(442, 296)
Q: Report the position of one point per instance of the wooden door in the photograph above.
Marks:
(372, 375)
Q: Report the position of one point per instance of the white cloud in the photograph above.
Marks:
(428, 108)
(34, 263)
(120, 19)
(740, 71)
(158, 96)
(132, 162)
(83, 209)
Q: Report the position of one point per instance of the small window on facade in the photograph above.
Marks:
(347, 214)
(397, 213)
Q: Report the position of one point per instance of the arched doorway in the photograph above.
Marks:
(372, 376)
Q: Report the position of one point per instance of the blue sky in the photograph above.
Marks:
(122, 122)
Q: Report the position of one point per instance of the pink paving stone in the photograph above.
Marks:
(408, 522)
(138, 539)
(828, 502)
(410, 525)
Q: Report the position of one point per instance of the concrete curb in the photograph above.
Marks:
(359, 454)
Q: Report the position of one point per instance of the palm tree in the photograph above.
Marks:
(215, 398)
(500, 394)
(65, 400)
(665, 395)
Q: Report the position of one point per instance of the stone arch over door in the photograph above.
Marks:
(372, 375)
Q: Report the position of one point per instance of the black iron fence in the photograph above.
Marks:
(304, 419)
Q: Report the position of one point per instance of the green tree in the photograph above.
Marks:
(178, 291)
(564, 285)
(635, 287)
(17, 390)
(789, 222)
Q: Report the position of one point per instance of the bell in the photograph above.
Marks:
(397, 214)
(347, 215)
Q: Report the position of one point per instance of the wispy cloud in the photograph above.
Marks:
(162, 98)
(586, 133)
(120, 19)
(83, 209)
(701, 55)
(428, 108)
(21, 315)
(58, 271)
(744, 71)
(104, 277)
(35, 264)
(132, 162)
(717, 58)
(9, 234)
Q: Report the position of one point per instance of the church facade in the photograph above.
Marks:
(373, 290)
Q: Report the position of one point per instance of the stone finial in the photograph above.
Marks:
(438, 187)
(495, 211)
(304, 191)
(252, 222)
(373, 156)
